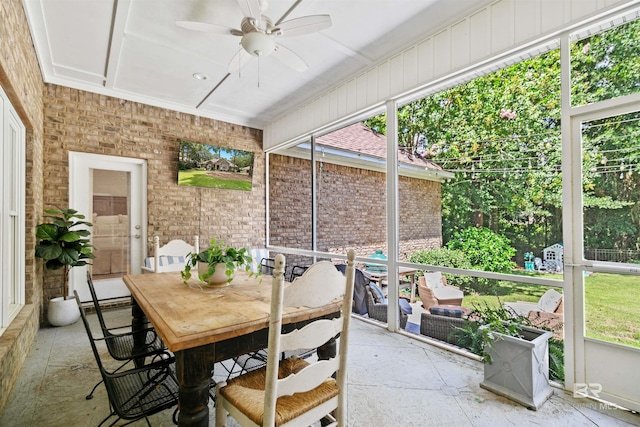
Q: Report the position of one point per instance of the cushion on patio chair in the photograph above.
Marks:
(449, 311)
(378, 295)
(434, 279)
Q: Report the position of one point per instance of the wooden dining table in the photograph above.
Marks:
(203, 325)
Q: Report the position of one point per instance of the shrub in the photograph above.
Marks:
(484, 249)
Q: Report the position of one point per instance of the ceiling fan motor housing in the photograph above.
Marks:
(258, 43)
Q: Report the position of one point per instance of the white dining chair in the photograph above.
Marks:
(295, 391)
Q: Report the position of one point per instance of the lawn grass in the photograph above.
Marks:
(612, 303)
(199, 178)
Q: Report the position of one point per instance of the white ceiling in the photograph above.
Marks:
(132, 49)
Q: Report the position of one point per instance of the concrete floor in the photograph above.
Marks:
(394, 380)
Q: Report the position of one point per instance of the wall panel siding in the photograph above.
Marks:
(372, 86)
(501, 26)
(487, 32)
(551, 15)
(526, 20)
(384, 90)
(479, 35)
(459, 44)
(442, 53)
(425, 61)
(396, 73)
(410, 66)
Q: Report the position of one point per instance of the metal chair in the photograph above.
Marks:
(297, 271)
(135, 393)
(123, 344)
(266, 266)
(294, 391)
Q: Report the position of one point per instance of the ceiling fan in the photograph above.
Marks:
(258, 33)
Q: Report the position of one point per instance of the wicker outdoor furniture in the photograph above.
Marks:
(441, 327)
(378, 309)
(434, 290)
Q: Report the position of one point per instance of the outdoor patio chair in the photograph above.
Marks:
(434, 290)
(170, 257)
(121, 341)
(377, 306)
(440, 327)
(547, 313)
(135, 393)
(295, 391)
(548, 302)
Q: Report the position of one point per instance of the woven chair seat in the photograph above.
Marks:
(246, 393)
(142, 392)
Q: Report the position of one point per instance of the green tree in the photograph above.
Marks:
(500, 134)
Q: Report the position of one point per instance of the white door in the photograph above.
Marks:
(604, 275)
(111, 192)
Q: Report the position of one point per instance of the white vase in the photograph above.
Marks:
(219, 277)
(62, 312)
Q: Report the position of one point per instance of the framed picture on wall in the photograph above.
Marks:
(202, 165)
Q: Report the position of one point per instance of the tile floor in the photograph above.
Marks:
(394, 380)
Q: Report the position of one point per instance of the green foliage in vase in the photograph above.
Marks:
(63, 242)
(217, 253)
(500, 321)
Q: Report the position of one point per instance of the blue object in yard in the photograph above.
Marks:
(528, 266)
(377, 268)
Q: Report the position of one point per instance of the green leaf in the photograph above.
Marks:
(48, 251)
(69, 256)
(70, 236)
(47, 232)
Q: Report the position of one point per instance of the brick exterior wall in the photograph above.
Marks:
(85, 122)
(351, 209)
(20, 78)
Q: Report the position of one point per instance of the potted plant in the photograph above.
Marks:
(515, 355)
(217, 264)
(64, 244)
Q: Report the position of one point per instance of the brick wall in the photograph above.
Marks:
(20, 78)
(85, 122)
(351, 209)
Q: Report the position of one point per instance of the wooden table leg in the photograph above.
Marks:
(138, 323)
(193, 369)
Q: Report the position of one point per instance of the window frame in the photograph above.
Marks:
(12, 213)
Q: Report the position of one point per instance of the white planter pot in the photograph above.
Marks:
(519, 368)
(219, 277)
(62, 312)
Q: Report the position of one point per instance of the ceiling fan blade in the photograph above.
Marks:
(251, 8)
(305, 25)
(290, 58)
(239, 60)
(208, 28)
